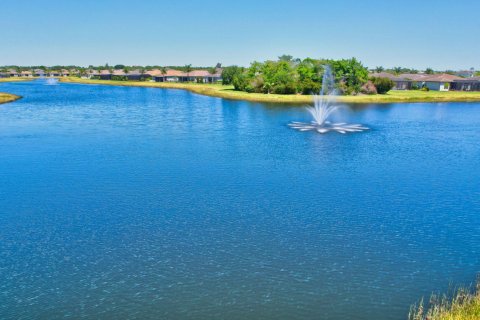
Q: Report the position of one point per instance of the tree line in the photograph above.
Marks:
(296, 76)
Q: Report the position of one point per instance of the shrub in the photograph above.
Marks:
(368, 88)
(425, 89)
(229, 73)
(383, 85)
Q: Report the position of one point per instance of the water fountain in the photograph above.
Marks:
(51, 82)
(324, 106)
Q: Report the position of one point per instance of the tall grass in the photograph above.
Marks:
(463, 304)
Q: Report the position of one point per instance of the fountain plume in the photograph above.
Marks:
(323, 107)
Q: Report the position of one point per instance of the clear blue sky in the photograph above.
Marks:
(442, 34)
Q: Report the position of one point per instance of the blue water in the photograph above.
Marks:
(140, 203)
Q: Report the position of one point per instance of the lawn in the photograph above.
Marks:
(227, 92)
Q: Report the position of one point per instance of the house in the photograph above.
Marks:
(466, 73)
(104, 75)
(171, 75)
(12, 73)
(401, 83)
(439, 82)
(39, 73)
(65, 73)
(4, 75)
(136, 75)
(54, 73)
(202, 76)
(118, 73)
(26, 74)
(466, 84)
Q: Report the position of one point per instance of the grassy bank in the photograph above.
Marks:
(14, 79)
(227, 92)
(7, 97)
(465, 305)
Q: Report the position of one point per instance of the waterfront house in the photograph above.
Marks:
(466, 73)
(4, 75)
(170, 76)
(39, 73)
(26, 74)
(439, 82)
(104, 75)
(401, 83)
(466, 84)
(54, 73)
(13, 73)
(65, 73)
(118, 73)
(136, 75)
(202, 76)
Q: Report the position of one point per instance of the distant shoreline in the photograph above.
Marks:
(227, 92)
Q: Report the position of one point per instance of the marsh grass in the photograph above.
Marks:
(463, 304)
(227, 92)
(7, 97)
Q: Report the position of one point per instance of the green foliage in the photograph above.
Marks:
(425, 89)
(379, 69)
(119, 67)
(229, 73)
(290, 76)
(383, 85)
(350, 74)
(429, 71)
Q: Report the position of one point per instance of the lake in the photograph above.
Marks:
(144, 203)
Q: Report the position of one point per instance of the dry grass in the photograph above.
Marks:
(7, 97)
(465, 305)
(227, 92)
(14, 79)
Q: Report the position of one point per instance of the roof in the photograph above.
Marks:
(199, 73)
(444, 77)
(414, 76)
(389, 76)
(472, 79)
(118, 72)
(154, 72)
(105, 72)
(135, 72)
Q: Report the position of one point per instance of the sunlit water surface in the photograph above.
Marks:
(140, 203)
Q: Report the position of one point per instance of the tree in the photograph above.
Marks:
(188, 69)
(350, 74)
(397, 70)
(119, 67)
(383, 85)
(379, 69)
(285, 57)
(229, 73)
(429, 71)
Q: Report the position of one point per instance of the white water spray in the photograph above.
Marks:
(323, 107)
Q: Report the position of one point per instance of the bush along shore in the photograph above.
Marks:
(464, 304)
(229, 92)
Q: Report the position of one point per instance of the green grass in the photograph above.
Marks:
(227, 92)
(465, 305)
(7, 97)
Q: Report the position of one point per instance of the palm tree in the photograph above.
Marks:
(379, 69)
(163, 70)
(188, 69)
